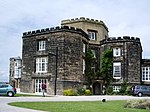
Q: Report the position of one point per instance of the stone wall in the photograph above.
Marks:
(89, 24)
(69, 41)
(131, 52)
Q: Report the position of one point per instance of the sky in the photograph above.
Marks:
(122, 17)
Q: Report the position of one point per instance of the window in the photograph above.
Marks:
(116, 52)
(84, 47)
(83, 66)
(41, 45)
(41, 65)
(116, 88)
(38, 85)
(93, 51)
(92, 35)
(145, 73)
(117, 70)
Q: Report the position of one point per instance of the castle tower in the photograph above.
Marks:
(39, 53)
(127, 55)
(97, 30)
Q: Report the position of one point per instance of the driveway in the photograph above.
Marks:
(4, 107)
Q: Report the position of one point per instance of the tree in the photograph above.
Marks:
(89, 64)
(106, 67)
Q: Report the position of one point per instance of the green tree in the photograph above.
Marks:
(89, 64)
(106, 67)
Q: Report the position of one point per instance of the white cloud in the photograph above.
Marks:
(123, 17)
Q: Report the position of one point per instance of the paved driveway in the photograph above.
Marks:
(4, 107)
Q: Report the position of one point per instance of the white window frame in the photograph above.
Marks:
(84, 47)
(17, 69)
(83, 66)
(116, 52)
(145, 73)
(116, 88)
(42, 44)
(92, 35)
(117, 70)
(41, 65)
(38, 85)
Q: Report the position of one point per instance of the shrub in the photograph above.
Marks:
(69, 92)
(87, 92)
(109, 90)
(123, 88)
(139, 104)
(81, 91)
(128, 90)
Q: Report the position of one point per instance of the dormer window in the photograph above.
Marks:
(92, 34)
(116, 52)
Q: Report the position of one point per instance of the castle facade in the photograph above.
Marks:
(56, 56)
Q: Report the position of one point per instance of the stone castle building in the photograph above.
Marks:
(56, 56)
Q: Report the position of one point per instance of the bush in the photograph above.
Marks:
(139, 104)
(87, 92)
(128, 90)
(109, 90)
(69, 92)
(81, 91)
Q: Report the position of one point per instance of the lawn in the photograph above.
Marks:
(28, 95)
(82, 106)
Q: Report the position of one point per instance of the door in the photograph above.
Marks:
(38, 85)
(96, 88)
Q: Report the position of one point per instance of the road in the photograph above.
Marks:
(4, 107)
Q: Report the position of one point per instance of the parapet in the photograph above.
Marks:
(54, 29)
(120, 39)
(83, 19)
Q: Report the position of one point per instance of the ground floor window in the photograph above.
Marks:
(38, 85)
(145, 73)
(116, 88)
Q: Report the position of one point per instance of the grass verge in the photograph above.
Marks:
(28, 95)
(82, 106)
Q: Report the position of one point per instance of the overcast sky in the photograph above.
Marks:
(122, 17)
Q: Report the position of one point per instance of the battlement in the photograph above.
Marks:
(120, 39)
(54, 29)
(83, 19)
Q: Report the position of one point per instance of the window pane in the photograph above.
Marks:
(116, 52)
(145, 73)
(42, 45)
(41, 64)
(92, 35)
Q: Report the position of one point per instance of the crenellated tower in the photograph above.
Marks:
(127, 55)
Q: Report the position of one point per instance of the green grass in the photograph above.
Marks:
(82, 106)
(28, 95)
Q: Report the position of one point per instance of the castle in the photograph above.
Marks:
(56, 56)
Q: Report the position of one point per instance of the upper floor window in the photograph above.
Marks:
(145, 73)
(92, 35)
(83, 66)
(41, 45)
(41, 64)
(116, 51)
(117, 70)
(84, 47)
